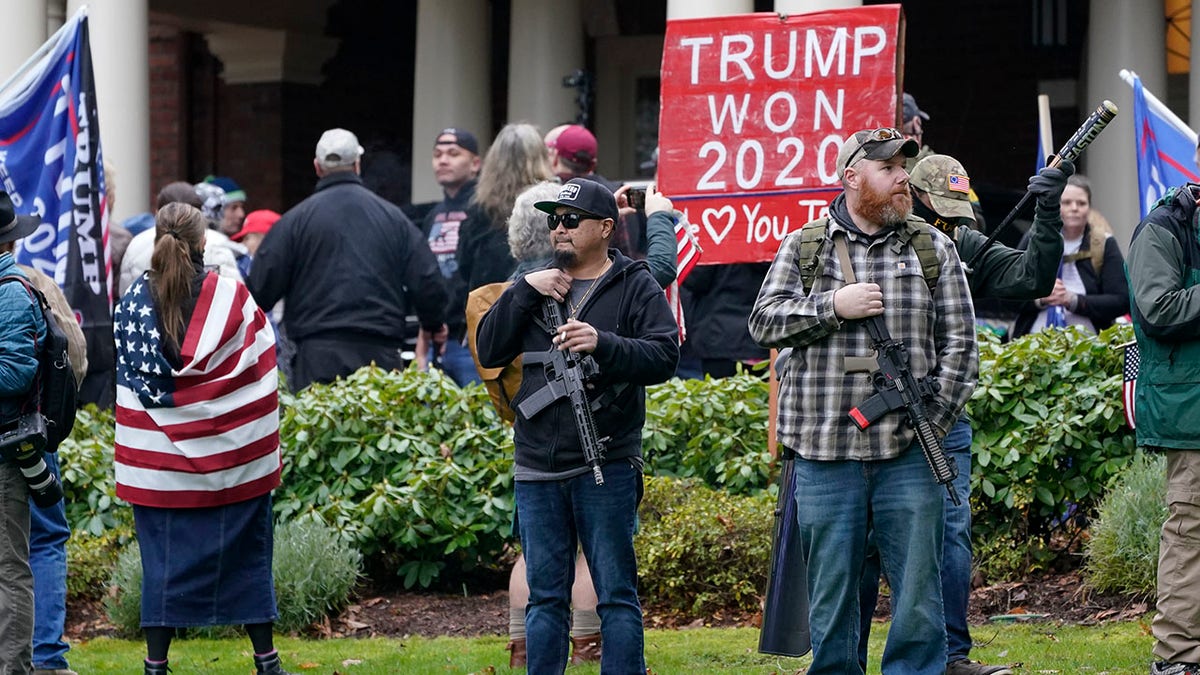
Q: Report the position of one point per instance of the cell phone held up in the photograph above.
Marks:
(636, 197)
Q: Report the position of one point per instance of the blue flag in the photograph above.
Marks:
(1166, 148)
(52, 168)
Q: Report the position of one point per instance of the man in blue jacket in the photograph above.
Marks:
(616, 313)
(22, 329)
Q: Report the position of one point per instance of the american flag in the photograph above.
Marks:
(687, 254)
(206, 434)
(958, 183)
(1133, 362)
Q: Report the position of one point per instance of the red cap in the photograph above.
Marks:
(257, 222)
(577, 144)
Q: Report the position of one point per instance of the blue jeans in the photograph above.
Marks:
(556, 516)
(956, 556)
(459, 365)
(48, 533)
(839, 504)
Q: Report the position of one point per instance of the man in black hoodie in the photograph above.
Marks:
(455, 166)
(617, 314)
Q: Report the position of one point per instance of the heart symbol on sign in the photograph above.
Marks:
(716, 214)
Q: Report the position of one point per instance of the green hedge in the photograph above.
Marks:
(416, 473)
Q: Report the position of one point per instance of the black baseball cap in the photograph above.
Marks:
(460, 137)
(586, 195)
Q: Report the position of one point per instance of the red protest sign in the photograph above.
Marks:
(754, 111)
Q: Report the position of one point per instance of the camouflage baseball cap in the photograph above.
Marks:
(947, 183)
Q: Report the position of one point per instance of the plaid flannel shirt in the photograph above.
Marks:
(815, 392)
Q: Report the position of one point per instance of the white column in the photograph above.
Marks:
(804, 6)
(120, 40)
(452, 86)
(1130, 35)
(691, 9)
(25, 31)
(545, 44)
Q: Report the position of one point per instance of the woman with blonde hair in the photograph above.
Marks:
(197, 443)
(517, 159)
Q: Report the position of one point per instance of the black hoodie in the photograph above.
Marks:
(636, 345)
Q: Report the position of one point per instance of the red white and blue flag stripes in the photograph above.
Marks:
(206, 434)
(1166, 147)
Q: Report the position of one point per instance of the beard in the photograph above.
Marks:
(565, 258)
(884, 208)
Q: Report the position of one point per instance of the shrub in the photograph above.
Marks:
(1049, 437)
(701, 550)
(123, 603)
(86, 464)
(90, 560)
(315, 570)
(1122, 555)
(404, 463)
(714, 430)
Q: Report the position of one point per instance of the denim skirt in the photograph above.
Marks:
(207, 566)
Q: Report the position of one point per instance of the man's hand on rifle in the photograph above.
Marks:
(552, 283)
(858, 301)
(577, 336)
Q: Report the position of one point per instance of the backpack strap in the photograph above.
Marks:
(812, 244)
(1096, 241)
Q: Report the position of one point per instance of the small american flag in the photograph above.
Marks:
(208, 433)
(1133, 362)
(687, 254)
(958, 183)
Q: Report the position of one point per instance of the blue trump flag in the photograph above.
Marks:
(52, 168)
(1166, 147)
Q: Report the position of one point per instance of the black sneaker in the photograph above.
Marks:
(969, 667)
(1166, 668)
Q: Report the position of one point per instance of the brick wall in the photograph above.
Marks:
(168, 123)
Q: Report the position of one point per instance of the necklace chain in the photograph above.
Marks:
(576, 306)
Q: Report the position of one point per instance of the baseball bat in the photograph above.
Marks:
(1083, 137)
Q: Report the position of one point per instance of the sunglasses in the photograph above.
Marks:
(567, 220)
(880, 135)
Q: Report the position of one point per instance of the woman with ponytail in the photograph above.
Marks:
(197, 443)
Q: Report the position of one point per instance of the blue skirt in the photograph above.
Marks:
(207, 567)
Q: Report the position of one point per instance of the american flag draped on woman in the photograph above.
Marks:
(197, 443)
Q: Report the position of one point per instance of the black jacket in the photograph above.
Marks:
(452, 209)
(722, 296)
(636, 345)
(483, 253)
(348, 262)
(1107, 293)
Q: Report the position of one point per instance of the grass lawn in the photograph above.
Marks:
(1114, 649)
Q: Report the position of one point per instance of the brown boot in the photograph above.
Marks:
(517, 658)
(585, 649)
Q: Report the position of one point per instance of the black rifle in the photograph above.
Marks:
(566, 374)
(896, 388)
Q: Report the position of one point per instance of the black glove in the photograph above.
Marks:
(1049, 183)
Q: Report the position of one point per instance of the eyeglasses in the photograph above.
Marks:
(877, 136)
(567, 220)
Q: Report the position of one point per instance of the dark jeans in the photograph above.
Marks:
(555, 517)
(956, 556)
(326, 359)
(838, 504)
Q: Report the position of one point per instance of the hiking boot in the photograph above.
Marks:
(585, 649)
(969, 667)
(1166, 668)
(517, 658)
(156, 668)
(269, 664)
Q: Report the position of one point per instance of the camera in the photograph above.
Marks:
(636, 198)
(22, 441)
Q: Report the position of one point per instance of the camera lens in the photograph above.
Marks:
(44, 487)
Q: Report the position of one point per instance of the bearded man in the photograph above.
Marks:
(850, 483)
